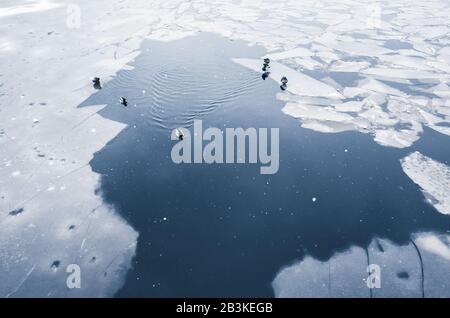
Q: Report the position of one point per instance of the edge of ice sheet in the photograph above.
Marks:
(345, 274)
(50, 213)
(432, 177)
(299, 83)
(388, 114)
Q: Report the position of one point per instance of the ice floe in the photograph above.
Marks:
(417, 269)
(297, 52)
(433, 178)
(353, 46)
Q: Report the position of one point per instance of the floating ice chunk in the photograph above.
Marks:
(305, 111)
(413, 53)
(298, 52)
(335, 16)
(362, 48)
(318, 101)
(430, 118)
(350, 92)
(405, 110)
(443, 110)
(384, 72)
(352, 106)
(375, 99)
(442, 90)
(402, 138)
(299, 83)
(435, 252)
(430, 32)
(433, 244)
(343, 66)
(439, 66)
(327, 39)
(343, 276)
(422, 101)
(333, 83)
(308, 63)
(410, 62)
(433, 178)
(348, 25)
(377, 115)
(327, 126)
(401, 268)
(327, 56)
(379, 87)
(441, 129)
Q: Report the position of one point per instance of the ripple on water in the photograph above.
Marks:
(202, 83)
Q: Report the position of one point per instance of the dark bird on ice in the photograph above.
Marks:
(284, 82)
(265, 75)
(179, 134)
(124, 101)
(96, 82)
(266, 65)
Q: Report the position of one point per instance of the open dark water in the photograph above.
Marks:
(225, 230)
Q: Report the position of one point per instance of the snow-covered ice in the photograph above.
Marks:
(50, 214)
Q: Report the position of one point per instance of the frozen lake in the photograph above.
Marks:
(364, 171)
(225, 230)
